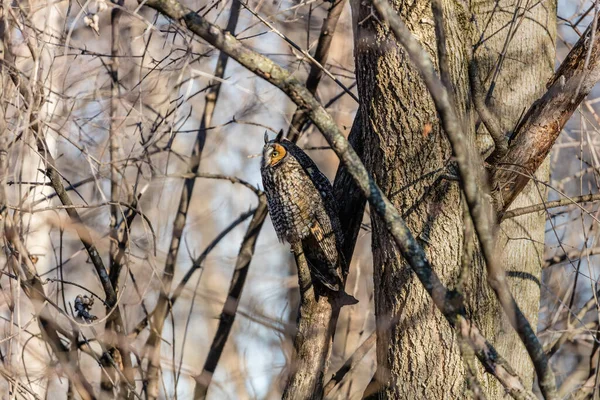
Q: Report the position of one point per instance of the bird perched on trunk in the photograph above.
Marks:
(303, 210)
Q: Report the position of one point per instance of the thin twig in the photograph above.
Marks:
(301, 50)
(199, 261)
(82, 231)
(350, 363)
(551, 204)
(22, 265)
(570, 256)
(197, 264)
(491, 122)
(568, 334)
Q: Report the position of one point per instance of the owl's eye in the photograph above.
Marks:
(277, 153)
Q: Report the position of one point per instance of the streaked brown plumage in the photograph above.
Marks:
(302, 209)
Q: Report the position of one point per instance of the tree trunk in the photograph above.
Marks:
(415, 344)
(408, 154)
(528, 65)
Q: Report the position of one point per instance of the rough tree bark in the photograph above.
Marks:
(408, 155)
(406, 152)
(525, 70)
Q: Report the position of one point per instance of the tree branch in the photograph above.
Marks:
(312, 343)
(82, 231)
(541, 125)
(197, 264)
(571, 255)
(553, 346)
(490, 121)
(314, 76)
(350, 363)
(551, 204)
(305, 53)
(52, 173)
(115, 253)
(32, 285)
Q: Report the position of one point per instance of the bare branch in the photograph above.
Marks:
(197, 264)
(82, 231)
(22, 265)
(491, 122)
(116, 251)
(551, 204)
(306, 54)
(162, 307)
(571, 255)
(314, 76)
(350, 363)
(553, 346)
(541, 125)
(114, 141)
(312, 343)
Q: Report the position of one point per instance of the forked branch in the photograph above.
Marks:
(541, 125)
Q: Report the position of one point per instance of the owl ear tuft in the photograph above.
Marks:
(266, 137)
(279, 136)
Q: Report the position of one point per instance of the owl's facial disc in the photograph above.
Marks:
(274, 154)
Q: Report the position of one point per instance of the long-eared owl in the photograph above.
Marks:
(302, 209)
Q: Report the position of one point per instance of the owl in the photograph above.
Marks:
(303, 210)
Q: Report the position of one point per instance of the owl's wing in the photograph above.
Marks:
(322, 256)
(325, 240)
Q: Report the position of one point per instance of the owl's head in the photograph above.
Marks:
(274, 152)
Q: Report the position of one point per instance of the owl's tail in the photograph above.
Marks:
(346, 299)
(332, 281)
